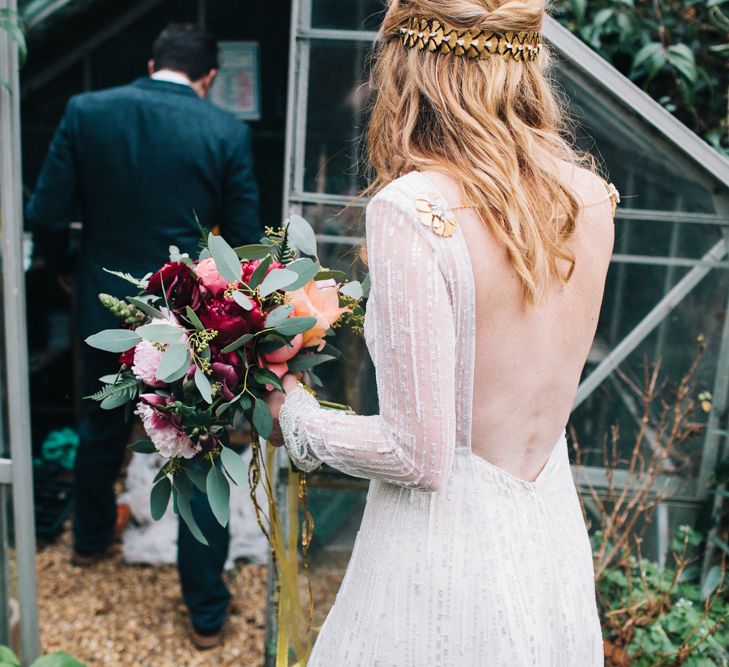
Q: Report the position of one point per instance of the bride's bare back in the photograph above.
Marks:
(528, 359)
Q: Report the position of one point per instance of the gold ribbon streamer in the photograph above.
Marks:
(294, 636)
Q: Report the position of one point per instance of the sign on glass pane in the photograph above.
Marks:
(237, 86)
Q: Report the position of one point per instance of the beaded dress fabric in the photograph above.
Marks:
(457, 563)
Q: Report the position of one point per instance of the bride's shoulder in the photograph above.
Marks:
(402, 193)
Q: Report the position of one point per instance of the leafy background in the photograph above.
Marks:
(676, 50)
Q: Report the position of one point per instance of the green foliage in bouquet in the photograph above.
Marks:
(654, 616)
(676, 50)
(202, 343)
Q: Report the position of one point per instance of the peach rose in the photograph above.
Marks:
(319, 300)
(209, 276)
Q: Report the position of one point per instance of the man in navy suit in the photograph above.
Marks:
(136, 165)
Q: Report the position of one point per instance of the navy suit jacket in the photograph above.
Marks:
(135, 165)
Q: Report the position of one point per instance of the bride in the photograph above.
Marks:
(488, 243)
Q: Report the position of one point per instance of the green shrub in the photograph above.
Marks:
(60, 659)
(676, 50)
(653, 616)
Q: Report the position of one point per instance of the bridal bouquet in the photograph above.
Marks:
(201, 343)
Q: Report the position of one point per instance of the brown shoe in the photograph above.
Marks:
(87, 560)
(205, 642)
(123, 515)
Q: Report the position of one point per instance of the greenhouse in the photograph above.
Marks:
(650, 416)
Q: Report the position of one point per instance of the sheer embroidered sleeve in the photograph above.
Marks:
(411, 441)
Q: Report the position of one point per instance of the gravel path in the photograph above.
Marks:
(119, 614)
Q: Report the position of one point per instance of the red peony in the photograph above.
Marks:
(227, 318)
(229, 358)
(127, 358)
(177, 282)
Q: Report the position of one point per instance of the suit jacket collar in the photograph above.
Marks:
(164, 86)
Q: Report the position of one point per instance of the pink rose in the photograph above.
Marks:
(321, 302)
(250, 267)
(279, 370)
(209, 276)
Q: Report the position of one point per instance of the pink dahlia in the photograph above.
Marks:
(146, 361)
(164, 429)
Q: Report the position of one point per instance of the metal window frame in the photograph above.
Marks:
(17, 473)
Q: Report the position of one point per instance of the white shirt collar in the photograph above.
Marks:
(171, 77)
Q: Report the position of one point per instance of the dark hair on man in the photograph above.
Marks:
(183, 47)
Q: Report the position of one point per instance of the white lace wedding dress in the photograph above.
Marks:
(457, 563)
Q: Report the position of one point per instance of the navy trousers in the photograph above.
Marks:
(103, 436)
(201, 568)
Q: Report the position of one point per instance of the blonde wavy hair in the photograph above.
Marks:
(494, 125)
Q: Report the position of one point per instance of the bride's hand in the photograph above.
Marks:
(274, 400)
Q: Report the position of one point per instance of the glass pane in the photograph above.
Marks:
(349, 15)
(336, 116)
(648, 171)
(674, 343)
(665, 239)
(337, 515)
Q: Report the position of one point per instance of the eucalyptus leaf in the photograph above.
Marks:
(114, 340)
(166, 334)
(145, 307)
(143, 446)
(245, 402)
(295, 325)
(117, 400)
(329, 274)
(253, 252)
(226, 261)
(278, 316)
(174, 363)
(304, 362)
(218, 491)
(262, 419)
(203, 386)
(223, 407)
(353, 290)
(306, 269)
(245, 338)
(197, 476)
(242, 300)
(260, 273)
(265, 376)
(301, 235)
(159, 498)
(182, 492)
(276, 280)
(194, 319)
(234, 466)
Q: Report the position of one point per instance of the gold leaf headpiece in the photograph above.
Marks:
(435, 35)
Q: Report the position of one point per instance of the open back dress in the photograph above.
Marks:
(457, 563)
